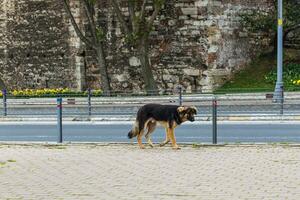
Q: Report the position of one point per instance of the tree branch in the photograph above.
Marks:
(90, 20)
(131, 10)
(120, 17)
(143, 10)
(153, 16)
(75, 25)
(293, 28)
(141, 17)
(288, 30)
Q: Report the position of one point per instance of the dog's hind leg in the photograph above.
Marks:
(151, 127)
(167, 140)
(140, 134)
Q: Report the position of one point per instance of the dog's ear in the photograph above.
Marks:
(180, 109)
(195, 109)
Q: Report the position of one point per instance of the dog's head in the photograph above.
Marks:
(187, 113)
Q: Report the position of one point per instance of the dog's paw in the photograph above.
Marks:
(142, 147)
(176, 148)
(164, 143)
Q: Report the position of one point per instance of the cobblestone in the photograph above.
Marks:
(121, 171)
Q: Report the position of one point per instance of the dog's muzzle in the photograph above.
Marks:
(191, 119)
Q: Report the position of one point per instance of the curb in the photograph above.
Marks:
(132, 119)
(134, 144)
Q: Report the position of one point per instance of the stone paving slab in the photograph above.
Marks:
(122, 171)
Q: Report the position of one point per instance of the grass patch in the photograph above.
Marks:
(284, 143)
(2, 163)
(252, 78)
(11, 161)
(196, 145)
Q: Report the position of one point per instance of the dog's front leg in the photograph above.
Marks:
(167, 140)
(173, 139)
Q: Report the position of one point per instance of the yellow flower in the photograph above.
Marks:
(44, 91)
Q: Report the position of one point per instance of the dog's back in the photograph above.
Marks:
(156, 111)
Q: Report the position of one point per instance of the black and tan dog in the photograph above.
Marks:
(169, 116)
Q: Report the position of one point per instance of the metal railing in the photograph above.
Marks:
(211, 107)
(228, 105)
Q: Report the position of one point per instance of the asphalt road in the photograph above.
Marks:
(192, 132)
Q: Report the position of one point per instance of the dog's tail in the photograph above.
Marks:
(134, 131)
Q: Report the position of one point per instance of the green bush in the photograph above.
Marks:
(291, 75)
(64, 92)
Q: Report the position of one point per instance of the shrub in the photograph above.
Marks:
(291, 75)
(49, 93)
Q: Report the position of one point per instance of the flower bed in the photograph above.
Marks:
(64, 92)
(291, 76)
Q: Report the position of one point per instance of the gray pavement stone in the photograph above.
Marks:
(91, 171)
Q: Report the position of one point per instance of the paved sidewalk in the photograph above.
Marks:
(120, 171)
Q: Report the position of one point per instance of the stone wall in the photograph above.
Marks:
(293, 40)
(196, 43)
(35, 49)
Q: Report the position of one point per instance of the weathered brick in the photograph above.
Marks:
(41, 48)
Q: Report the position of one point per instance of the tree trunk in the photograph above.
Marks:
(2, 85)
(103, 71)
(274, 43)
(147, 74)
(284, 39)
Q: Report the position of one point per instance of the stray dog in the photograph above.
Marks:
(169, 116)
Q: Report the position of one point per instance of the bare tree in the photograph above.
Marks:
(96, 41)
(137, 29)
(2, 85)
(266, 21)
